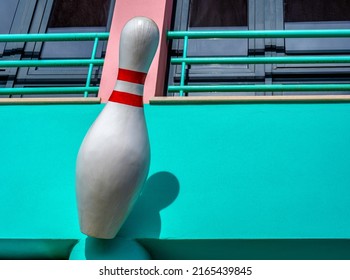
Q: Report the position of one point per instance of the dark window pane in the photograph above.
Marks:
(79, 13)
(217, 13)
(316, 10)
(70, 49)
(7, 11)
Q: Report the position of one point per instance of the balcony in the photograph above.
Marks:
(27, 90)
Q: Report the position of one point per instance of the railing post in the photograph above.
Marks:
(183, 65)
(91, 66)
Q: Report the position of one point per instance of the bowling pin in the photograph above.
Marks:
(113, 160)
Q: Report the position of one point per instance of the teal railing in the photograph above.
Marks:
(184, 60)
(90, 63)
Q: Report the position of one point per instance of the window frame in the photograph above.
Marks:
(35, 18)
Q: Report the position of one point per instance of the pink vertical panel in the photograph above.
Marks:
(158, 10)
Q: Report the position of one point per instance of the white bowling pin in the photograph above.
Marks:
(113, 159)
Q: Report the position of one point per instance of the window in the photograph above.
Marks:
(204, 15)
(52, 16)
(217, 15)
(14, 18)
(260, 15)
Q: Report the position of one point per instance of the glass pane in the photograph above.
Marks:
(317, 45)
(7, 13)
(79, 13)
(316, 10)
(218, 13)
(70, 49)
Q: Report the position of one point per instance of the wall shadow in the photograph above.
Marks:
(159, 191)
(144, 221)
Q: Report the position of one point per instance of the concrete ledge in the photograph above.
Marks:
(50, 100)
(201, 100)
(36, 249)
(90, 248)
(248, 249)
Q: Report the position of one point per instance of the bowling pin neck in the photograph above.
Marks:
(138, 44)
(129, 88)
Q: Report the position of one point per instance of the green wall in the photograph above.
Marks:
(218, 172)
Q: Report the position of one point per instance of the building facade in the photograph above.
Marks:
(259, 174)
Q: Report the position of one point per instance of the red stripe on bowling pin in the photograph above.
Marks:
(126, 98)
(133, 82)
(131, 76)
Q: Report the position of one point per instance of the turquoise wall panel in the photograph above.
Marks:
(38, 146)
(278, 171)
(250, 171)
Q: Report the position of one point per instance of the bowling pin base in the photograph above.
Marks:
(116, 249)
(99, 233)
(112, 167)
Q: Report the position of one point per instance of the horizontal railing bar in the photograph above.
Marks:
(49, 100)
(53, 37)
(50, 62)
(191, 100)
(44, 90)
(259, 88)
(330, 33)
(262, 60)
